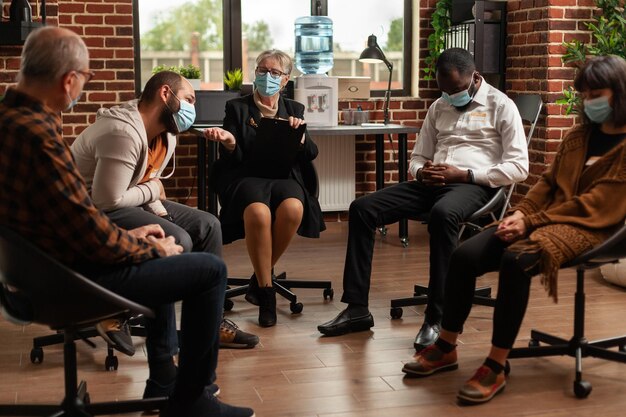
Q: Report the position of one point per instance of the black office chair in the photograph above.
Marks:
(610, 251)
(52, 294)
(529, 107)
(281, 284)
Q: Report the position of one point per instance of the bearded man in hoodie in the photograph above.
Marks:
(122, 157)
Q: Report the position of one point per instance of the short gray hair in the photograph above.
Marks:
(50, 52)
(285, 60)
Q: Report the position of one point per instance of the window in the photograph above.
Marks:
(230, 33)
(385, 20)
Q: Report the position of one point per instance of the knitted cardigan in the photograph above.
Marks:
(573, 207)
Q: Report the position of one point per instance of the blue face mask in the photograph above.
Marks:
(598, 110)
(267, 85)
(460, 99)
(185, 116)
(73, 102)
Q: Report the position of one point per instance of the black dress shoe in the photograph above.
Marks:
(428, 335)
(346, 323)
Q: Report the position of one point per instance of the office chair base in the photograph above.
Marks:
(283, 287)
(77, 402)
(577, 347)
(111, 361)
(482, 296)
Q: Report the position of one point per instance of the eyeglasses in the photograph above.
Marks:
(273, 72)
(87, 74)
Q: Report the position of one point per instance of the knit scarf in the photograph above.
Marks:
(558, 244)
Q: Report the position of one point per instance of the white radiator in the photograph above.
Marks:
(336, 170)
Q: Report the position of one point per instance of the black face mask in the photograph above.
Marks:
(167, 116)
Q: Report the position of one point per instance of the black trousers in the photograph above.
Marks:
(480, 254)
(448, 206)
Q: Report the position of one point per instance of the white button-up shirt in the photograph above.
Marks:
(488, 138)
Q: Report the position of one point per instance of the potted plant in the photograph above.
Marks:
(234, 79)
(190, 72)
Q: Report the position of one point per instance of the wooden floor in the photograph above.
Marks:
(296, 373)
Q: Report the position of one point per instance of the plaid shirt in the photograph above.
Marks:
(44, 198)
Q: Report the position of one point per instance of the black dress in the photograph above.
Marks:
(237, 189)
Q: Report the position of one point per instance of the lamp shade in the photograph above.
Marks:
(372, 54)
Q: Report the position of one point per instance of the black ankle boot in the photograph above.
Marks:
(252, 295)
(267, 306)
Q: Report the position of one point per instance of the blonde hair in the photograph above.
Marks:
(51, 52)
(285, 60)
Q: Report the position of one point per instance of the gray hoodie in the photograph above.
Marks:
(112, 156)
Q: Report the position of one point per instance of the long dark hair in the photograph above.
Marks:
(605, 72)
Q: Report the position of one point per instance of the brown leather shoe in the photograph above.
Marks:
(429, 361)
(482, 387)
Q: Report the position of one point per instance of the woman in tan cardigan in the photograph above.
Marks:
(577, 203)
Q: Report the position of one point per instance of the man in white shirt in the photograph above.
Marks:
(471, 143)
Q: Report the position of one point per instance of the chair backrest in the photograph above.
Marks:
(58, 297)
(529, 107)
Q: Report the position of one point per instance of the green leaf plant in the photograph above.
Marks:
(234, 79)
(440, 21)
(607, 34)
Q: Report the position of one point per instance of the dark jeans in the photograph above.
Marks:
(483, 253)
(194, 230)
(448, 206)
(199, 280)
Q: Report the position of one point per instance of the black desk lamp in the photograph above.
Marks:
(373, 55)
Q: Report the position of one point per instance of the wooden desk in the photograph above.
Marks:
(379, 130)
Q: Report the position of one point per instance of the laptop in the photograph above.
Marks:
(210, 107)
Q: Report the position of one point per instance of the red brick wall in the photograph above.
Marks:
(536, 30)
(106, 26)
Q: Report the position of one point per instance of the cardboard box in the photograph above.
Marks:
(354, 87)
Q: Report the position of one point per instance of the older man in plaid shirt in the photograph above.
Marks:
(44, 198)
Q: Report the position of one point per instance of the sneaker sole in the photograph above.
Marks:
(469, 400)
(445, 368)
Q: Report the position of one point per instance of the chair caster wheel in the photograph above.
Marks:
(396, 312)
(622, 348)
(582, 389)
(36, 355)
(507, 368)
(329, 293)
(383, 231)
(111, 363)
(533, 343)
(296, 308)
(228, 304)
(405, 242)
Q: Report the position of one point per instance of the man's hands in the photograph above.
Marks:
(143, 232)
(154, 233)
(219, 135)
(442, 174)
(512, 228)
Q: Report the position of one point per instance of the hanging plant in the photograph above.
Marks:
(440, 21)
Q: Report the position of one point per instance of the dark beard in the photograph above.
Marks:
(167, 117)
